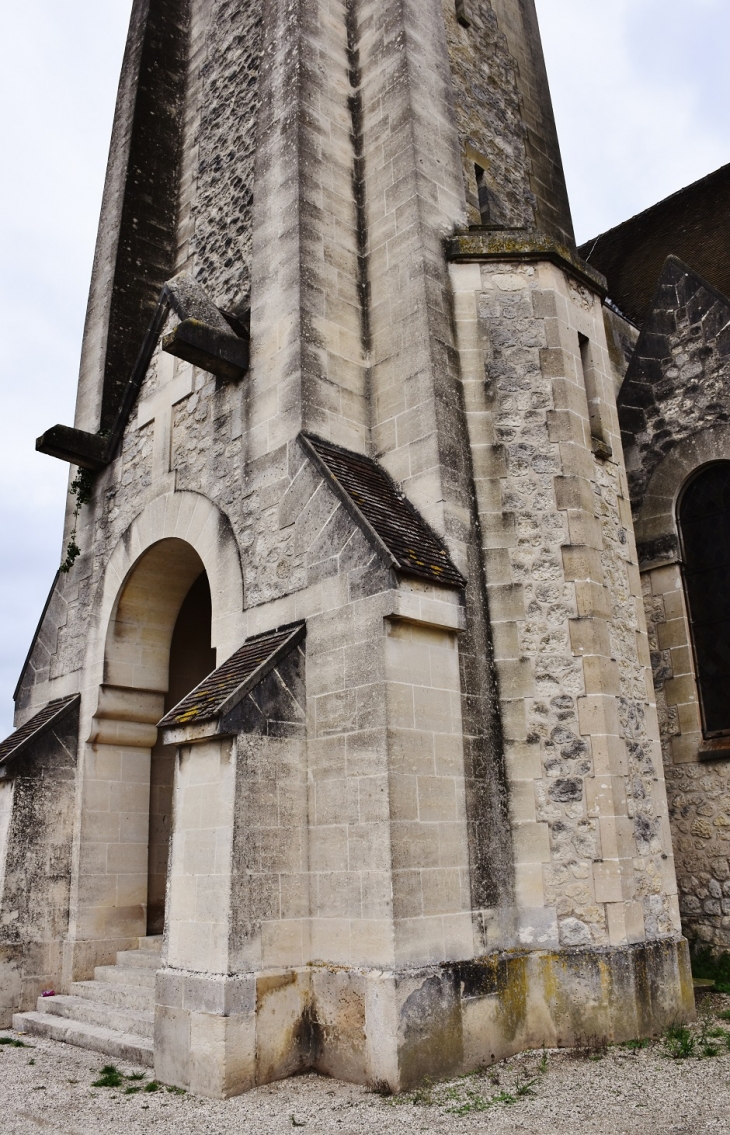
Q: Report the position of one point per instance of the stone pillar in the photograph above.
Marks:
(204, 1021)
(593, 850)
(109, 887)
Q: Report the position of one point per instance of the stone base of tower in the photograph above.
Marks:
(221, 1036)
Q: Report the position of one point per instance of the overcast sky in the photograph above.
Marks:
(641, 91)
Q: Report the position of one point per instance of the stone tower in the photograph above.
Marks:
(350, 616)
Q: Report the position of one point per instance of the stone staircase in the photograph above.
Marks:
(114, 1014)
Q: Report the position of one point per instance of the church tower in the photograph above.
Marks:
(337, 743)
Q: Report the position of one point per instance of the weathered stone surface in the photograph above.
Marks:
(440, 826)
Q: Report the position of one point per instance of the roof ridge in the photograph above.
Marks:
(222, 689)
(403, 536)
(11, 747)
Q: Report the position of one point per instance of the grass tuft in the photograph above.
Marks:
(109, 1077)
(680, 1043)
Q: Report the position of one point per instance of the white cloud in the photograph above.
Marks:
(640, 89)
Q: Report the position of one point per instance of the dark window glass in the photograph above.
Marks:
(704, 521)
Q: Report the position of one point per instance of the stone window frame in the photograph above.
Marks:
(658, 540)
(708, 734)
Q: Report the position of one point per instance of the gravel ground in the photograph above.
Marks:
(48, 1086)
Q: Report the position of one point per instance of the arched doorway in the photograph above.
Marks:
(158, 648)
(192, 658)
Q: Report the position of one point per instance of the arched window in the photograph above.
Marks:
(704, 524)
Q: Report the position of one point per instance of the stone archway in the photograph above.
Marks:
(159, 643)
(150, 578)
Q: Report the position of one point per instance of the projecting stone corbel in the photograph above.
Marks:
(219, 352)
(208, 337)
(87, 450)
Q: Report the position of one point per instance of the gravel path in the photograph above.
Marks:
(47, 1086)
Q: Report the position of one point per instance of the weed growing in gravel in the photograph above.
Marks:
(13, 1042)
(708, 1037)
(111, 1077)
(679, 1042)
(637, 1044)
(461, 1098)
(423, 1096)
(475, 1102)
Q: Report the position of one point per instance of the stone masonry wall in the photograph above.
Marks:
(518, 22)
(698, 793)
(36, 845)
(569, 632)
(678, 383)
(674, 409)
(489, 116)
(222, 203)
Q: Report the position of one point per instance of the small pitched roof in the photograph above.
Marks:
(226, 686)
(693, 224)
(15, 744)
(384, 513)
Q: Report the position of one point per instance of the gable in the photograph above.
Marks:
(693, 224)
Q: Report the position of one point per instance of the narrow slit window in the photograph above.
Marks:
(485, 209)
(704, 526)
(599, 435)
(462, 13)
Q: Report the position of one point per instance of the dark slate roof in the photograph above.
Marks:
(376, 503)
(693, 224)
(225, 687)
(16, 742)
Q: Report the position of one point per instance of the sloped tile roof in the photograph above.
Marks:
(379, 506)
(12, 745)
(693, 224)
(222, 689)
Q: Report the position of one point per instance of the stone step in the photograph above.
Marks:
(137, 1022)
(136, 998)
(140, 959)
(123, 1046)
(152, 942)
(126, 975)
